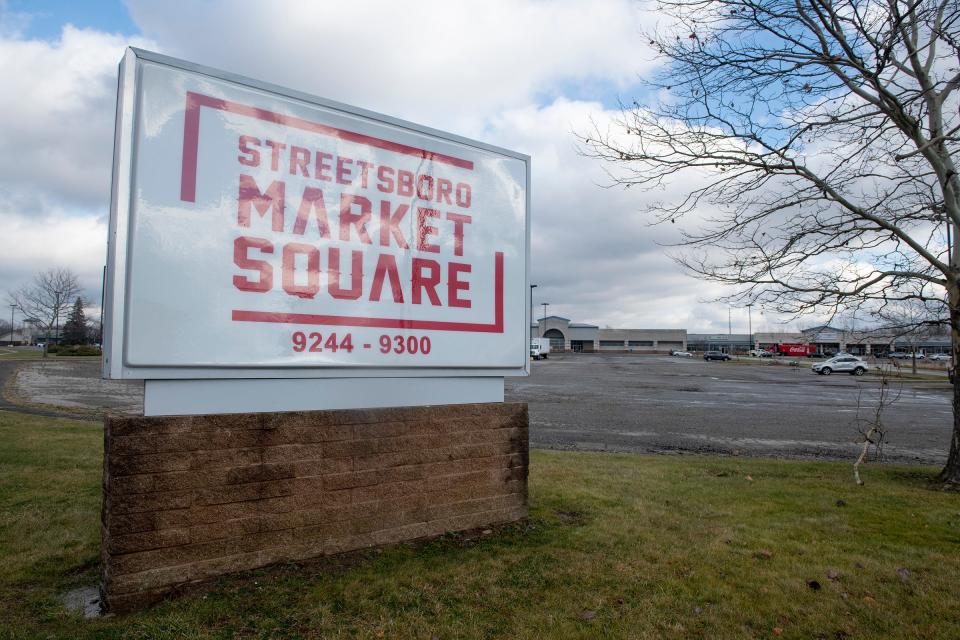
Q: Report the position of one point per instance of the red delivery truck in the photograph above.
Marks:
(796, 350)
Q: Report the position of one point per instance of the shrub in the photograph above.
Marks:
(76, 350)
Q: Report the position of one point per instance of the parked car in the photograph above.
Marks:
(681, 354)
(898, 355)
(942, 357)
(759, 353)
(715, 355)
(841, 364)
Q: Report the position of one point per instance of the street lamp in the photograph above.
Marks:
(12, 307)
(545, 305)
(532, 287)
(750, 324)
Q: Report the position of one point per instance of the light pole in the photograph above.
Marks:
(750, 324)
(532, 287)
(545, 305)
(12, 307)
(103, 288)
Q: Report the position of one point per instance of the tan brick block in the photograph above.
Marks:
(307, 434)
(335, 481)
(206, 569)
(150, 579)
(305, 549)
(387, 491)
(206, 460)
(476, 505)
(293, 453)
(410, 443)
(171, 481)
(140, 425)
(260, 473)
(449, 467)
(220, 530)
(393, 535)
(352, 448)
(161, 501)
(295, 519)
(140, 561)
(483, 518)
(343, 543)
(399, 458)
(121, 465)
(121, 524)
(490, 435)
(244, 492)
(386, 518)
(380, 430)
(147, 540)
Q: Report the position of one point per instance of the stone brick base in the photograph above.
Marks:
(189, 498)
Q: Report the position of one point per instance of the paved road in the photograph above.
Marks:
(658, 403)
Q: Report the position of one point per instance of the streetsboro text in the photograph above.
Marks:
(319, 165)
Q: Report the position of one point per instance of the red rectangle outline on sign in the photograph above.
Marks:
(188, 193)
(389, 323)
(191, 137)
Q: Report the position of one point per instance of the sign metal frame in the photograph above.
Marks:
(115, 364)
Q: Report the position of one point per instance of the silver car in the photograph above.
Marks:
(841, 364)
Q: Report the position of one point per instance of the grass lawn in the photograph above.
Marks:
(618, 546)
(33, 353)
(20, 353)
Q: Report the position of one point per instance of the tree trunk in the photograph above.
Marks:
(951, 472)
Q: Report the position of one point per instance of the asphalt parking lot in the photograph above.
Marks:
(623, 402)
(634, 403)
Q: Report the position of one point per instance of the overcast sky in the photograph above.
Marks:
(522, 74)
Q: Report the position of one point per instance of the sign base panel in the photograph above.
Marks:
(190, 498)
(190, 397)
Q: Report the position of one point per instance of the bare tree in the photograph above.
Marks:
(48, 298)
(869, 420)
(818, 139)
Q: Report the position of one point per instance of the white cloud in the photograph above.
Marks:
(57, 106)
(30, 244)
(438, 62)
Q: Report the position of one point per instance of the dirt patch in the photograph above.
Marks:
(74, 384)
(571, 518)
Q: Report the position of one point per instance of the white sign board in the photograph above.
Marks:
(257, 232)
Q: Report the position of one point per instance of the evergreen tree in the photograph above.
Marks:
(75, 329)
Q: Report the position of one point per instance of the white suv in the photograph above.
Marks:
(841, 364)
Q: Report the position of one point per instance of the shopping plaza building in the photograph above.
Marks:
(565, 335)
